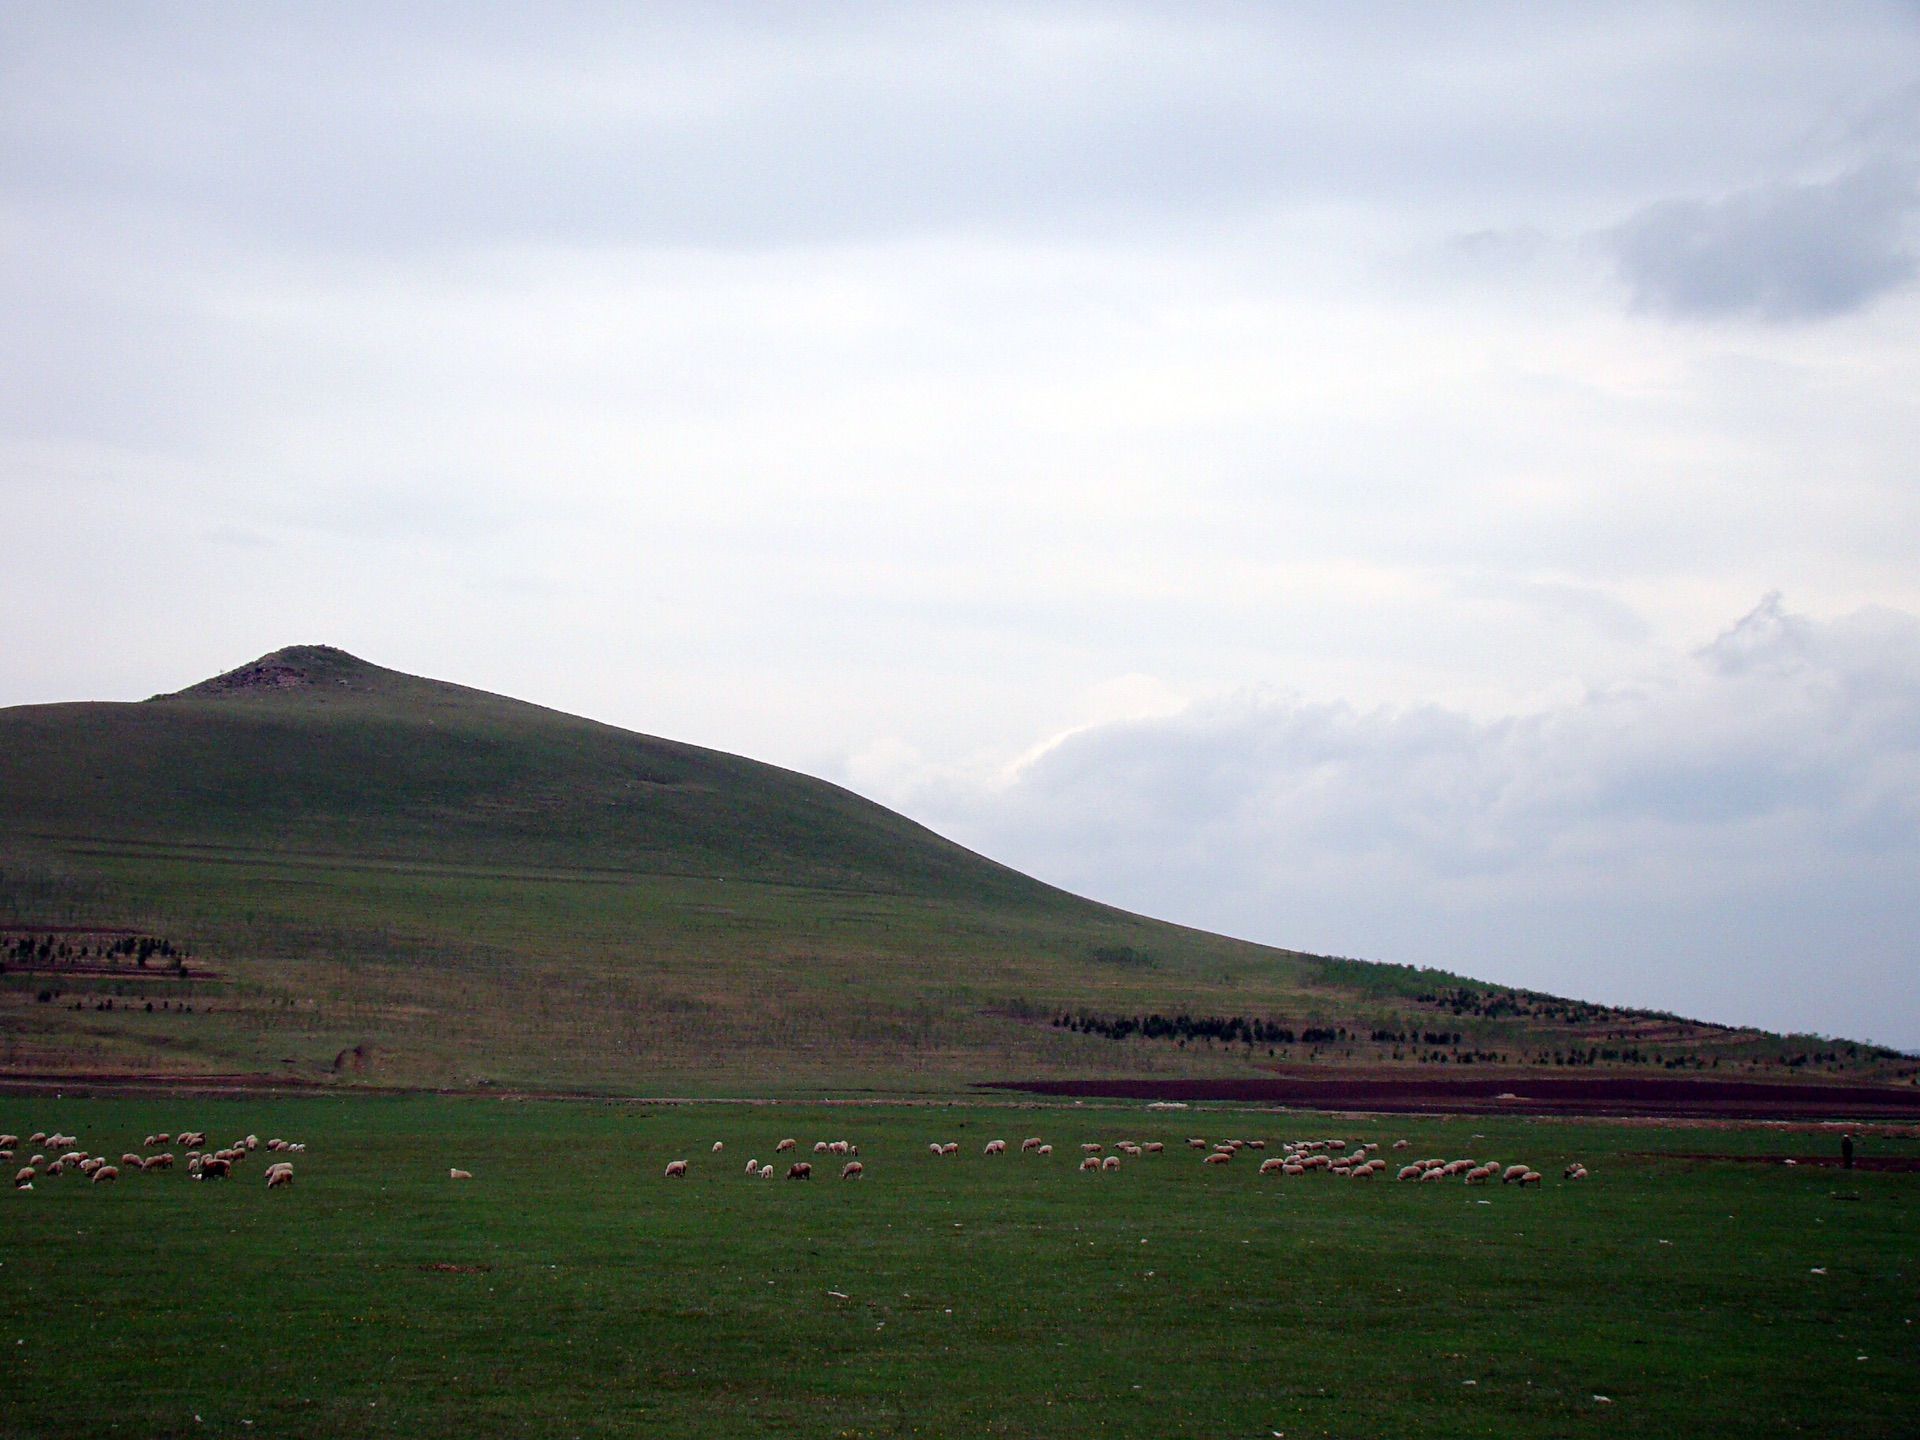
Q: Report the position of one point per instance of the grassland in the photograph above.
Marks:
(570, 1290)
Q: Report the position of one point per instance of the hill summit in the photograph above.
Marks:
(291, 668)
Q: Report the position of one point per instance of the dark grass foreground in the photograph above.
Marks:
(569, 1289)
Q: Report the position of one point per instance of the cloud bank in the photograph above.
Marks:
(1735, 836)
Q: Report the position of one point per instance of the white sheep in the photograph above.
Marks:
(24, 1177)
(784, 1146)
(1043, 1150)
(107, 1174)
(753, 1167)
(1090, 1162)
(996, 1147)
(800, 1170)
(1219, 1157)
(766, 1172)
(1272, 1166)
(852, 1170)
(1032, 1142)
(1112, 1162)
(1512, 1174)
(718, 1146)
(452, 1174)
(676, 1170)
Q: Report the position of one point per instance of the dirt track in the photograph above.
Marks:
(1659, 1096)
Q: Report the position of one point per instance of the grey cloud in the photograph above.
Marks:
(1686, 841)
(394, 128)
(1779, 252)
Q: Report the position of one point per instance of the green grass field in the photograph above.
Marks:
(569, 1289)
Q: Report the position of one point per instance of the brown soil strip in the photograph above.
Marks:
(1882, 1164)
(1598, 1095)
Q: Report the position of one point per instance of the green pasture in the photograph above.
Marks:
(570, 1289)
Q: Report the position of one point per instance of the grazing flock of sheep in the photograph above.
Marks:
(1294, 1157)
(53, 1155)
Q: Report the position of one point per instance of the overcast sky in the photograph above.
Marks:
(1428, 483)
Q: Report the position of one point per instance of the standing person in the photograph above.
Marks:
(1846, 1152)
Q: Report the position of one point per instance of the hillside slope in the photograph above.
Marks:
(310, 748)
(318, 869)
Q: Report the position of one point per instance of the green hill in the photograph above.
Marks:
(319, 869)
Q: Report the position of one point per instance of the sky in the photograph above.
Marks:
(1430, 484)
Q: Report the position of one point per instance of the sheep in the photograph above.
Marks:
(995, 1147)
(1089, 1148)
(952, 1147)
(1360, 1172)
(785, 1145)
(252, 1142)
(62, 1142)
(23, 1177)
(841, 1147)
(766, 1172)
(1532, 1177)
(163, 1161)
(279, 1176)
(1512, 1173)
(753, 1167)
(1401, 1144)
(38, 1162)
(1480, 1174)
(8, 1142)
(934, 1148)
(458, 1174)
(1128, 1148)
(1154, 1147)
(1434, 1176)
(5, 1156)
(1219, 1157)
(852, 1170)
(107, 1174)
(1032, 1142)
(676, 1170)
(1256, 1144)
(39, 1137)
(1112, 1162)
(819, 1147)
(1044, 1150)
(130, 1158)
(1195, 1142)
(1272, 1166)
(718, 1146)
(1090, 1162)
(800, 1170)
(1578, 1172)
